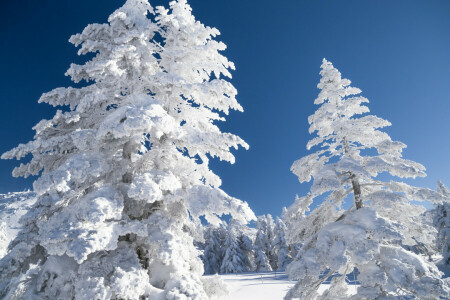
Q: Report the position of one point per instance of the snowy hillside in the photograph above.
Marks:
(12, 207)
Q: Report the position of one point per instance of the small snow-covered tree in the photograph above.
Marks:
(234, 260)
(262, 245)
(246, 246)
(369, 236)
(441, 221)
(125, 173)
(227, 249)
(212, 252)
(245, 243)
(262, 263)
(280, 247)
(271, 251)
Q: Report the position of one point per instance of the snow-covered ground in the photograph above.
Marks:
(12, 207)
(261, 286)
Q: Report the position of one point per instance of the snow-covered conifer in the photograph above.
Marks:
(271, 251)
(234, 260)
(261, 261)
(262, 245)
(227, 249)
(212, 252)
(280, 247)
(246, 246)
(124, 167)
(371, 235)
(243, 234)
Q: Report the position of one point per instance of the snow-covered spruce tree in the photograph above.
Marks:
(239, 244)
(246, 246)
(441, 221)
(286, 216)
(234, 260)
(271, 251)
(212, 252)
(125, 168)
(227, 249)
(370, 236)
(280, 247)
(262, 245)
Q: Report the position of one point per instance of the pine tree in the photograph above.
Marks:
(370, 236)
(213, 253)
(271, 252)
(262, 263)
(287, 215)
(227, 249)
(234, 260)
(280, 246)
(125, 167)
(246, 246)
(262, 245)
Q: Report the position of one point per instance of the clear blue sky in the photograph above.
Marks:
(397, 52)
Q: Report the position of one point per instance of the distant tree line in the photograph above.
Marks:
(237, 248)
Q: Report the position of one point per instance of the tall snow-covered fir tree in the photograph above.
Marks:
(246, 246)
(213, 249)
(280, 248)
(236, 248)
(123, 167)
(263, 244)
(271, 251)
(369, 237)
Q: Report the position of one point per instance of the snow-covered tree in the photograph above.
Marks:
(124, 168)
(263, 244)
(441, 220)
(369, 236)
(271, 251)
(234, 260)
(261, 261)
(227, 249)
(246, 246)
(212, 251)
(280, 247)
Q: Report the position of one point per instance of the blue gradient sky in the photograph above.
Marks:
(397, 52)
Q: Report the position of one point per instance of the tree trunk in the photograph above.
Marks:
(357, 193)
(355, 181)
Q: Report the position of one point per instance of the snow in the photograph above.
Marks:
(12, 207)
(261, 286)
